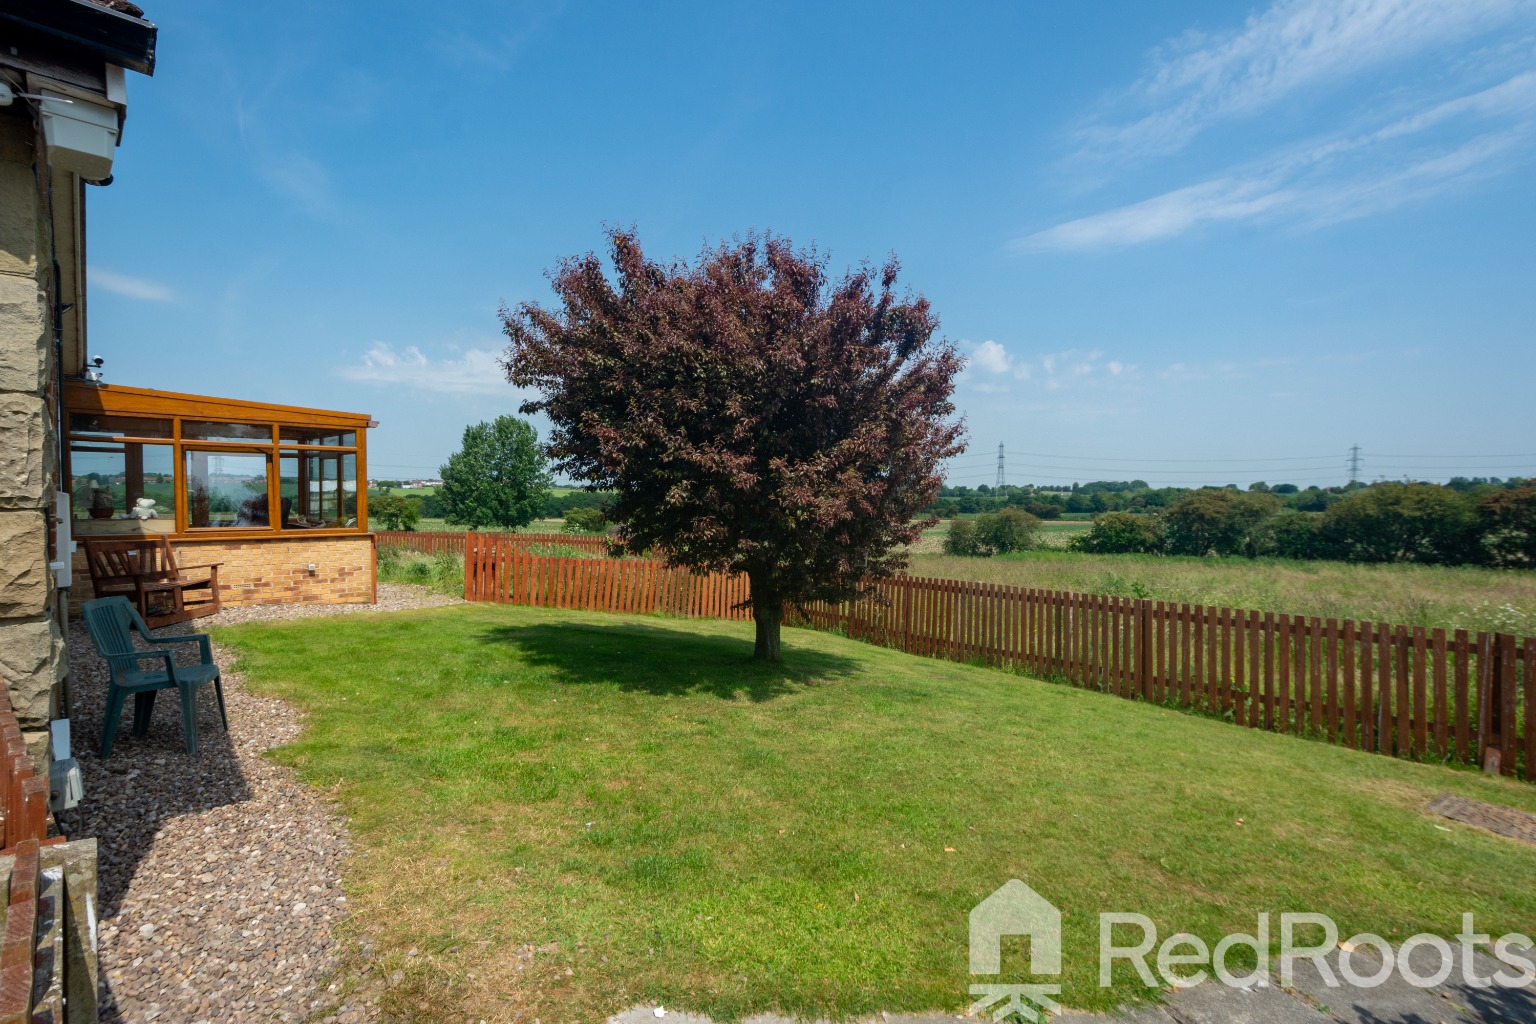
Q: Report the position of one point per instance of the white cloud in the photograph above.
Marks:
(1399, 108)
(470, 371)
(992, 357)
(1203, 78)
(131, 287)
(1164, 216)
(1329, 179)
(301, 180)
(1053, 371)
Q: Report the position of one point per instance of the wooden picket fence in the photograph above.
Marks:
(1408, 691)
(24, 810)
(454, 543)
(1404, 690)
(23, 793)
(499, 568)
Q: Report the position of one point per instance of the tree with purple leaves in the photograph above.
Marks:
(750, 412)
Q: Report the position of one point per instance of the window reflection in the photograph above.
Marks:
(318, 435)
(102, 425)
(122, 487)
(319, 487)
(227, 489)
(203, 430)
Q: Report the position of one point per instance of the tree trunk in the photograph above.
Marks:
(768, 614)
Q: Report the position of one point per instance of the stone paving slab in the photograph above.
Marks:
(1310, 1001)
(647, 1015)
(1217, 1004)
(1506, 821)
(1491, 1005)
(1130, 1015)
(1394, 1001)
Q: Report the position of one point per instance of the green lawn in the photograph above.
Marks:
(1454, 597)
(565, 813)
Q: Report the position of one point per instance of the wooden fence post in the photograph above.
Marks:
(1143, 682)
(1509, 727)
(1489, 701)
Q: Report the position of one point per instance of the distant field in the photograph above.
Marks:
(537, 526)
(401, 492)
(1455, 597)
(422, 492)
(1054, 532)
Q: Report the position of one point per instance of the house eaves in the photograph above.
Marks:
(86, 27)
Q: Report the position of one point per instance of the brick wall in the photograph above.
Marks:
(271, 571)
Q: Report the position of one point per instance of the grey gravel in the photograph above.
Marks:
(221, 875)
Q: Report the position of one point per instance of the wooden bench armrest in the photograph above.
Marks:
(206, 565)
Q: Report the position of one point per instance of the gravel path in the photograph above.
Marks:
(220, 874)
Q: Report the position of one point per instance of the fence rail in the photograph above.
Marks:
(1428, 694)
(497, 568)
(454, 543)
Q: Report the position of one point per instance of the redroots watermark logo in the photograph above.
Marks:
(1016, 909)
(1183, 960)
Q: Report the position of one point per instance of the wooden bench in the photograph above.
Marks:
(144, 570)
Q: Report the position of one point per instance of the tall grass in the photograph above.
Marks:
(443, 572)
(1453, 597)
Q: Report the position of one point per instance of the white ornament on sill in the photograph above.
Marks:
(144, 508)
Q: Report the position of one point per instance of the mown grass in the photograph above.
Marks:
(1455, 597)
(566, 813)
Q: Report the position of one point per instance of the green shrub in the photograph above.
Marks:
(1391, 522)
(1008, 529)
(393, 512)
(961, 539)
(1291, 534)
(1118, 533)
(1508, 520)
(584, 520)
(1218, 522)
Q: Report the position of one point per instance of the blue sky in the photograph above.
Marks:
(1190, 242)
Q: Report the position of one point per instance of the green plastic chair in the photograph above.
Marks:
(110, 622)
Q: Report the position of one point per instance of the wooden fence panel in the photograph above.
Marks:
(1393, 689)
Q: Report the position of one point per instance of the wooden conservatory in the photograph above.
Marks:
(274, 495)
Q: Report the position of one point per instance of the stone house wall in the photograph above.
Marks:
(32, 659)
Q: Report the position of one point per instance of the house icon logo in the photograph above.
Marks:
(1015, 909)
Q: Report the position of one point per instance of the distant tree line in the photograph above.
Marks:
(1485, 523)
(403, 512)
(1048, 502)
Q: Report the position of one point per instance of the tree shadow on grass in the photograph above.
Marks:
(656, 659)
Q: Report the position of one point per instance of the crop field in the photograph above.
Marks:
(1453, 597)
(1054, 533)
